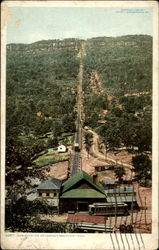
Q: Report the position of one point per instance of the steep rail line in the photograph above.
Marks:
(79, 122)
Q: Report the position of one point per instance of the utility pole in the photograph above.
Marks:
(132, 207)
(145, 212)
(81, 163)
(115, 208)
(105, 154)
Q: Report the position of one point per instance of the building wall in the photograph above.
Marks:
(109, 186)
(54, 202)
(68, 204)
(51, 194)
(53, 197)
(100, 168)
(84, 186)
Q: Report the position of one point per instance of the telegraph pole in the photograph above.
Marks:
(132, 207)
(145, 212)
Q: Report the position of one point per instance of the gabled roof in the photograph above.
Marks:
(83, 193)
(62, 146)
(81, 176)
(51, 183)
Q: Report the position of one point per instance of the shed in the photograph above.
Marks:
(79, 191)
(101, 168)
(102, 121)
(61, 149)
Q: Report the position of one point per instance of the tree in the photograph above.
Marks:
(142, 168)
(88, 141)
(119, 173)
(52, 142)
(21, 215)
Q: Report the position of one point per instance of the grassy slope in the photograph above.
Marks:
(50, 158)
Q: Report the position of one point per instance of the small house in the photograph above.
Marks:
(61, 149)
(79, 191)
(101, 168)
(50, 190)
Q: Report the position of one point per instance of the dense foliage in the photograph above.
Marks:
(88, 141)
(119, 173)
(41, 84)
(122, 88)
(22, 216)
(142, 168)
(124, 63)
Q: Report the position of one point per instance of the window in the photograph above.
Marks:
(55, 194)
(47, 194)
(40, 194)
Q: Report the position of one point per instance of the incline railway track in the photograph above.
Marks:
(79, 121)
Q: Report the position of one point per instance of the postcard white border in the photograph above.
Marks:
(83, 241)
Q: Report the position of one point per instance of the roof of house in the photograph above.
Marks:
(62, 146)
(81, 176)
(120, 190)
(121, 194)
(102, 121)
(32, 196)
(51, 183)
(122, 199)
(83, 193)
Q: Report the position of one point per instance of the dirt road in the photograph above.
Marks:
(103, 156)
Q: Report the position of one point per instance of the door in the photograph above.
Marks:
(82, 206)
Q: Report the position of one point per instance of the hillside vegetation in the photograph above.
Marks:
(118, 88)
(41, 88)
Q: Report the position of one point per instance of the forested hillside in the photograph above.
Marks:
(118, 88)
(41, 87)
(41, 92)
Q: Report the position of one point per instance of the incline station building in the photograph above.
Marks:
(79, 191)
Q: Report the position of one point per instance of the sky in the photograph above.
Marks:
(31, 24)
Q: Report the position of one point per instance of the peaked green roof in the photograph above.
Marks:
(82, 193)
(80, 176)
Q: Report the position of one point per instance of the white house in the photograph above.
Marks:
(61, 149)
